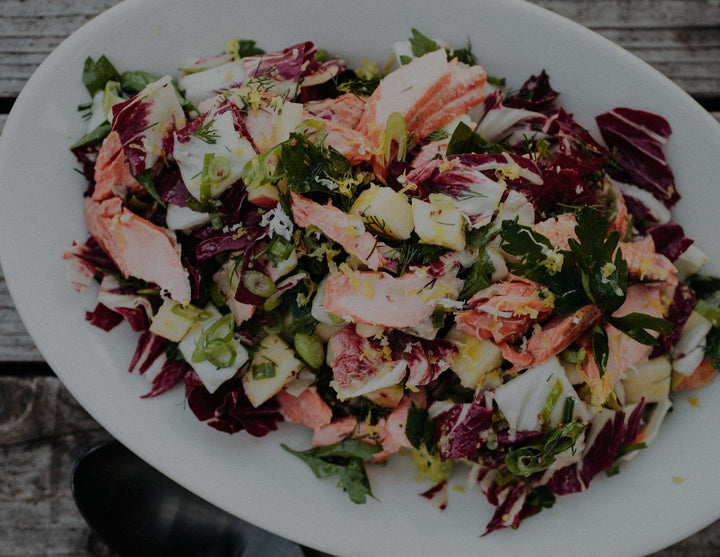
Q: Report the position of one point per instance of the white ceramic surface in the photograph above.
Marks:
(642, 509)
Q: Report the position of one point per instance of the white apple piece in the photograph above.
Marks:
(439, 222)
(385, 211)
(272, 367)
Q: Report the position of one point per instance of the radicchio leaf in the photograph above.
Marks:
(637, 138)
(103, 317)
(670, 240)
(228, 409)
(459, 429)
(535, 94)
(678, 313)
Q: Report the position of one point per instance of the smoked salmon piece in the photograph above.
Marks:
(378, 298)
(345, 229)
(308, 408)
(354, 146)
(347, 109)
(553, 337)
(138, 247)
(504, 311)
(112, 171)
(428, 92)
(644, 263)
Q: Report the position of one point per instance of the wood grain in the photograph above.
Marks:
(681, 38)
(42, 432)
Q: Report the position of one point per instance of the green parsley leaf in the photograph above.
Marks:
(95, 137)
(525, 461)
(601, 349)
(135, 81)
(465, 140)
(344, 459)
(478, 277)
(97, 73)
(420, 429)
(635, 324)
(145, 178)
(421, 44)
(465, 54)
(247, 47)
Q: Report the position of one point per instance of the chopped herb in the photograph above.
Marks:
(438, 135)
(421, 44)
(420, 429)
(465, 140)
(496, 81)
(465, 54)
(206, 132)
(478, 277)
(551, 401)
(145, 178)
(97, 73)
(264, 370)
(615, 468)
(344, 459)
(525, 461)
(95, 137)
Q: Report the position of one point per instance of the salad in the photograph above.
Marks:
(412, 259)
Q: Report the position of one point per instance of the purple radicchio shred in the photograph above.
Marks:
(426, 359)
(458, 430)
(94, 257)
(616, 433)
(437, 495)
(226, 241)
(170, 375)
(287, 64)
(103, 317)
(636, 139)
(130, 119)
(642, 215)
(136, 317)
(243, 294)
(670, 240)
(535, 94)
(228, 409)
(507, 499)
(149, 348)
(86, 155)
(194, 275)
(678, 313)
(576, 148)
(171, 188)
(564, 186)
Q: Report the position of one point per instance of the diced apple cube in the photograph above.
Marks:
(171, 323)
(475, 358)
(439, 222)
(273, 365)
(264, 195)
(650, 380)
(389, 397)
(211, 375)
(385, 211)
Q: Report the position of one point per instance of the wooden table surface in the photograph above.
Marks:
(43, 430)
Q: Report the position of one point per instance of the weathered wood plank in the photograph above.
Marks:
(42, 432)
(665, 33)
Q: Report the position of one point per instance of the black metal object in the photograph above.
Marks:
(138, 512)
